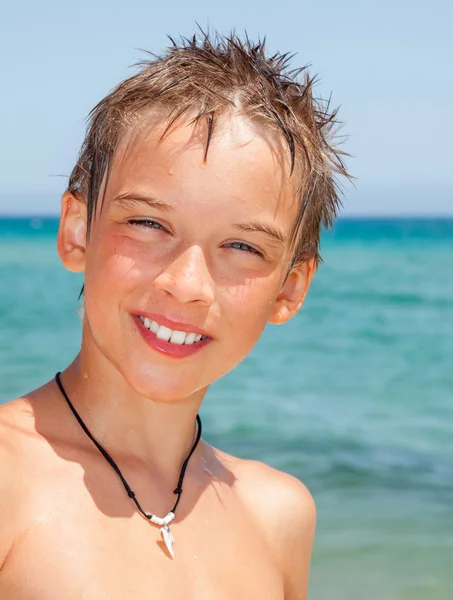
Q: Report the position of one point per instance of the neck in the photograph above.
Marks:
(157, 434)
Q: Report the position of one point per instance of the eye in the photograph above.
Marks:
(243, 247)
(146, 224)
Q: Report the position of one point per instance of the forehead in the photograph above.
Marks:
(246, 164)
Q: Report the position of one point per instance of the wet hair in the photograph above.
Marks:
(204, 77)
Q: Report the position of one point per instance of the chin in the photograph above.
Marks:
(165, 387)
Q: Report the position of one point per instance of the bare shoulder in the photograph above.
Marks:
(16, 428)
(13, 441)
(285, 511)
(277, 491)
(273, 494)
(19, 458)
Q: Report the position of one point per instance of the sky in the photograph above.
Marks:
(386, 63)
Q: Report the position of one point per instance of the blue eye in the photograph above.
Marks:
(244, 248)
(146, 223)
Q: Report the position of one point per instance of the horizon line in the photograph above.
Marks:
(385, 216)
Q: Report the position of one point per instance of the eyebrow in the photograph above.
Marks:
(267, 228)
(131, 198)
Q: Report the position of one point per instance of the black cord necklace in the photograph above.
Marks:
(164, 522)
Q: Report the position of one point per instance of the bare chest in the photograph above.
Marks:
(78, 552)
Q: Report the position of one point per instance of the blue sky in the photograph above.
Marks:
(387, 63)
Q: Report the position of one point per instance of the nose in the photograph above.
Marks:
(187, 278)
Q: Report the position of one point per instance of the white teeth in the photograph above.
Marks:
(190, 338)
(169, 335)
(163, 333)
(178, 337)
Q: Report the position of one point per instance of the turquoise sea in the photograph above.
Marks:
(354, 396)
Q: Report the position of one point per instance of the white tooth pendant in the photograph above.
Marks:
(168, 538)
(165, 529)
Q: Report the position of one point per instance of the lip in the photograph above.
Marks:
(167, 348)
(174, 325)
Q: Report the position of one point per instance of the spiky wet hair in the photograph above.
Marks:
(207, 76)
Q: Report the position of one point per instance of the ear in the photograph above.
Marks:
(293, 292)
(71, 241)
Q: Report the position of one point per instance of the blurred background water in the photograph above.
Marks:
(353, 396)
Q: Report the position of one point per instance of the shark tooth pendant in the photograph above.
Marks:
(168, 539)
(164, 523)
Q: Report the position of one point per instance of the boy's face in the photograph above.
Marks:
(195, 246)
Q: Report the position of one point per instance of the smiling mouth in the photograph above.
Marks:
(172, 336)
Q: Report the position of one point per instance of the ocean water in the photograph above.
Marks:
(354, 396)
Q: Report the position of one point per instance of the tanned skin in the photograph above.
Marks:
(203, 243)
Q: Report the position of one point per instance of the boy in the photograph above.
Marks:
(194, 211)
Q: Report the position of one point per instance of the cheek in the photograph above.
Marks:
(116, 265)
(115, 268)
(250, 306)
